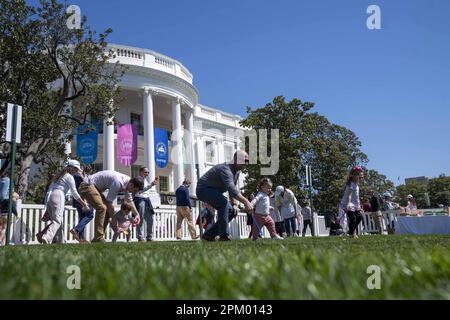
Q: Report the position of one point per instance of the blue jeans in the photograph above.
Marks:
(146, 212)
(224, 215)
(290, 226)
(83, 219)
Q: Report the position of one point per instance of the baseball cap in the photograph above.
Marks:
(74, 164)
(279, 190)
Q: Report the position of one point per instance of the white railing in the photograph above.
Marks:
(150, 59)
(28, 223)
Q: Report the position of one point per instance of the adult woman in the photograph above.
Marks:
(286, 202)
(412, 204)
(351, 202)
(64, 182)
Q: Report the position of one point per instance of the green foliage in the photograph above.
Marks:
(375, 182)
(439, 190)
(284, 116)
(417, 190)
(310, 139)
(45, 67)
(331, 150)
(412, 267)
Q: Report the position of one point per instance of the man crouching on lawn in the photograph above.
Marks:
(92, 189)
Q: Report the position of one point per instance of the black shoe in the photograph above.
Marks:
(225, 238)
(149, 240)
(208, 238)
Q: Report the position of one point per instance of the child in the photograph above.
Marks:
(261, 217)
(351, 202)
(207, 216)
(124, 221)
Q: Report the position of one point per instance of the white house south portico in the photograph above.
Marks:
(158, 92)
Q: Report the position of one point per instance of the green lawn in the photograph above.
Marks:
(326, 268)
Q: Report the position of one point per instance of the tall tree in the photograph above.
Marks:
(417, 190)
(331, 150)
(285, 116)
(60, 77)
(439, 190)
(306, 139)
(376, 182)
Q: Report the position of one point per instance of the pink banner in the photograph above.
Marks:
(127, 144)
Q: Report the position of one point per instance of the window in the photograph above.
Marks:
(135, 171)
(163, 184)
(228, 152)
(210, 152)
(136, 120)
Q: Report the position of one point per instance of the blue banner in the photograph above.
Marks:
(87, 143)
(161, 147)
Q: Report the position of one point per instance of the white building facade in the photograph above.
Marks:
(158, 92)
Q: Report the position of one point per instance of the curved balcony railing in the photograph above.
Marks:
(146, 58)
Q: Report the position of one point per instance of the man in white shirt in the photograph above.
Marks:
(114, 182)
(144, 206)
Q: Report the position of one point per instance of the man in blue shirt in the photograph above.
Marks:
(184, 209)
(210, 188)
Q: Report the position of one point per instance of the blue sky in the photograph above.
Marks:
(390, 86)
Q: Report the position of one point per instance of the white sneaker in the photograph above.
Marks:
(277, 237)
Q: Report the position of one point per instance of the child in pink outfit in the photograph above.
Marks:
(124, 221)
(261, 217)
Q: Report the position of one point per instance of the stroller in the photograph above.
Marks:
(332, 224)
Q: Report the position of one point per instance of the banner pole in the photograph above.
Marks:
(11, 173)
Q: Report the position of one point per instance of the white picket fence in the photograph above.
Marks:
(28, 223)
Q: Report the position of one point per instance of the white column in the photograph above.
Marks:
(220, 150)
(108, 145)
(200, 156)
(177, 148)
(189, 140)
(149, 140)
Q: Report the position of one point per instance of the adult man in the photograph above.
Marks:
(286, 203)
(144, 206)
(184, 209)
(115, 182)
(210, 189)
(376, 214)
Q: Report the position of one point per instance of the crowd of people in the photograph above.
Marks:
(278, 211)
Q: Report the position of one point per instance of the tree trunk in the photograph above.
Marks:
(24, 173)
(25, 165)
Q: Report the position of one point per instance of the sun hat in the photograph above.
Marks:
(74, 164)
(410, 196)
